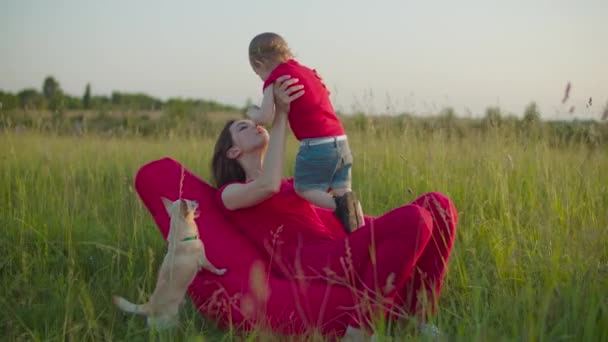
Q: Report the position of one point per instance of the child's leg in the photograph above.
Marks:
(348, 207)
(319, 198)
(321, 166)
(349, 211)
(315, 168)
(325, 200)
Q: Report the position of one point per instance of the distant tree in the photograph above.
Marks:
(493, 117)
(531, 114)
(71, 102)
(52, 92)
(86, 98)
(135, 101)
(8, 101)
(101, 102)
(50, 87)
(31, 99)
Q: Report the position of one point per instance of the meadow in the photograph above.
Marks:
(530, 260)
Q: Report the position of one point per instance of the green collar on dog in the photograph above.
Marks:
(190, 238)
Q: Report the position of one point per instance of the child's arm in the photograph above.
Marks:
(265, 114)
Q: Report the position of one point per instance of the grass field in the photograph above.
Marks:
(530, 259)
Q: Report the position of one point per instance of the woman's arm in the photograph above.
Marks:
(238, 195)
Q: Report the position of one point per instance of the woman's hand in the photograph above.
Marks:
(243, 195)
(285, 92)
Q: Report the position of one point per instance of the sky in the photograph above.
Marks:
(375, 56)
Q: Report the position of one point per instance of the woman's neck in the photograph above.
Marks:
(252, 163)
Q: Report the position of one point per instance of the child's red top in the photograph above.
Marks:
(311, 115)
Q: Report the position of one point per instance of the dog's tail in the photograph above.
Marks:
(127, 306)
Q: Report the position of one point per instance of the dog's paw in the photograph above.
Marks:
(221, 271)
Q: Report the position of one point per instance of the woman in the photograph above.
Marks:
(399, 257)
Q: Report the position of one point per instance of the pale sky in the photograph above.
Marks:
(402, 55)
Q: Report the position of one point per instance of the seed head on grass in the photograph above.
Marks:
(566, 93)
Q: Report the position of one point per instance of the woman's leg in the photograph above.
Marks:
(168, 178)
(427, 278)
(375, 260)
(412, 242)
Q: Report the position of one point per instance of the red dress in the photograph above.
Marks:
(417, 236)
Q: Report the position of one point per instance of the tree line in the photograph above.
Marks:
(52, 98)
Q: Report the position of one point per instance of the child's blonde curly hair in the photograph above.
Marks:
(269, 47)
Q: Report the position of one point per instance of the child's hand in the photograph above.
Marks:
(253, 112)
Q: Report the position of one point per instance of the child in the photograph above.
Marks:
(324, 159)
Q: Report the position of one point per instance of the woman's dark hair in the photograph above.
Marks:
(225, 170)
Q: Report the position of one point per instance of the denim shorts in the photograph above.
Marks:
(320, 166)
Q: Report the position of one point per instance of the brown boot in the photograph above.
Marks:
(359, 214)
(348, 211)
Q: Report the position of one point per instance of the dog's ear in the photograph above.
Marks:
(195, 208)
(167, 204)
(183, 205)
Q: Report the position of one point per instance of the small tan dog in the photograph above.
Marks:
(185, 257)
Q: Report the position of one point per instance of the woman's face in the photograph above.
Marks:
(247, 136)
